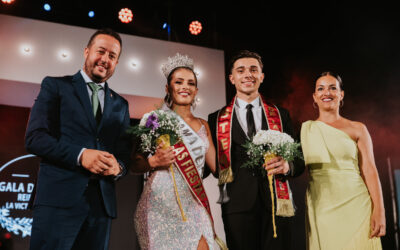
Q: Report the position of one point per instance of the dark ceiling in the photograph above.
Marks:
(297, 27)
(348, 37)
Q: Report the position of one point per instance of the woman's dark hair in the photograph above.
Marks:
(336, 76)
(167, 98)
(244, 54)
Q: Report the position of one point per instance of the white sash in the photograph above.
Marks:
(195, 145)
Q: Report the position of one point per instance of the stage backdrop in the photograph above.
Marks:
(33, 49)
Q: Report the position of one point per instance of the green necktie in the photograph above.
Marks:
(95, 97)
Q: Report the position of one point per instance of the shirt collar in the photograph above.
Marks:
(87, 79)
(242, 104)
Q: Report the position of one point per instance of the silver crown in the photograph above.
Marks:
(175, 62)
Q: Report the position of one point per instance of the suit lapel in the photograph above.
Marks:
(83, 95)
(264, 125)
(238, 135)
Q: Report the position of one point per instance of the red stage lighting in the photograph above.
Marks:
(125, 15)
(195, 28)
(7, 1)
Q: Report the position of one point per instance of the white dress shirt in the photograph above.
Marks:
(241, 111)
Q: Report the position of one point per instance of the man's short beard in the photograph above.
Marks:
(96, 79)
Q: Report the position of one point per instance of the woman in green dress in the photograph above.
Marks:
(344, 198)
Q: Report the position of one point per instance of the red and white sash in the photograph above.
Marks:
(224, 142)
(190, 153)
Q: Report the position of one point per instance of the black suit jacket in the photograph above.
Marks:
(248, 185)
(61, 123)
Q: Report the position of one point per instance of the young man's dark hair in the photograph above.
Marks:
(244, 54)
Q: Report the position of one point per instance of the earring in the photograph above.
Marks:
(341, 103)
(314, 104)
(193, 103)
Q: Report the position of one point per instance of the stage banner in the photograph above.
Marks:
(18, 171)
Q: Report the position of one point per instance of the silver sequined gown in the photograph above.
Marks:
(158, 220)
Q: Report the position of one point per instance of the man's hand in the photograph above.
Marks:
(96, 161)
(277, 165)
(115, 169)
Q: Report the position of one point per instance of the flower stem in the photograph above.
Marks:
(267, 157)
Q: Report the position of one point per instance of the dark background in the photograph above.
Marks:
(297, 40)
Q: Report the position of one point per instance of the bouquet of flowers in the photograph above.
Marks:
(267, 144)
(154, 126)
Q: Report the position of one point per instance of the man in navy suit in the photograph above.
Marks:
(77, 126)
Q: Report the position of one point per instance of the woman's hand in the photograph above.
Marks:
(163, 158)
(378, 223)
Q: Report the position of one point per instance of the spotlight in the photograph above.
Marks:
(199, 73)
(165, 25)
(26, 49)
(134, 64)
(125, 15)
(195, 28)
(91, 14)
(7, 1)
(64, 55)
(7, 236)
(47, 7)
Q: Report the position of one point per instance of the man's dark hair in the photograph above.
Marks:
(244, 54)
(105, 31)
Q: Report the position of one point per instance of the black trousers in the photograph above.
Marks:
(253, 229)
(83, 226)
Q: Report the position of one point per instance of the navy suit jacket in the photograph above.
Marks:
(61, 123)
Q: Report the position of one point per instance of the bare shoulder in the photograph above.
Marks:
(356, 124)
(358, 128)
(202, 120)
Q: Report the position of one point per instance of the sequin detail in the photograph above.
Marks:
(158, 221)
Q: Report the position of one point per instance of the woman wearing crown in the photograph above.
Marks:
(173, 211)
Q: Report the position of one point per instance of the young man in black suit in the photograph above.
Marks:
(244, 194)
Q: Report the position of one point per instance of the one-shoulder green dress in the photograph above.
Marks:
(338, 203)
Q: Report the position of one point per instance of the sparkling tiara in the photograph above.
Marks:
(175, 62)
